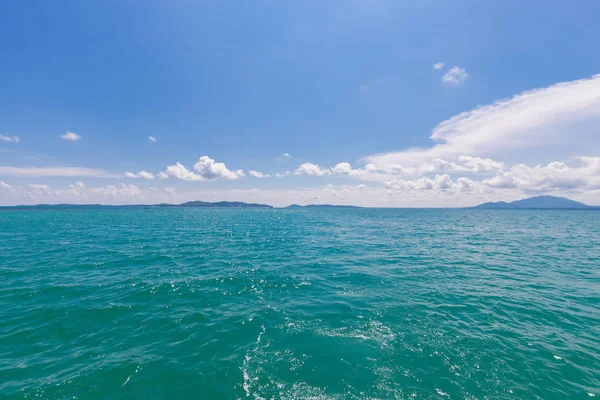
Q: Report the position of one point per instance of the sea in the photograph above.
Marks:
(192, 303)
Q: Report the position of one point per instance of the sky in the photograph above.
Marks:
(364, 102)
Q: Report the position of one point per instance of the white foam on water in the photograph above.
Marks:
(245, 366)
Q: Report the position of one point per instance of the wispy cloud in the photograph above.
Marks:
(72, 136)
(152, 139)
(39, 187)
(258, 174)
(56, 172)
(284, 156)
(9, 139)
(455, 76)
(528, 122)
(141, 174)
(438, 66)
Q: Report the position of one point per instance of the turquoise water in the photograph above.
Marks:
(364, 303)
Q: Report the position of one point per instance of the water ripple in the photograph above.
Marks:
(292, 304)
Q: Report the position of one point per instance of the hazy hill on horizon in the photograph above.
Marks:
(532, 203)
(537, 202)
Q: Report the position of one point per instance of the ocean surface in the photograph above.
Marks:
(298, 304)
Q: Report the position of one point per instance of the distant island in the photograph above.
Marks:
(538, 203)
(321, 206)
(224, 204)
(189, 204)
(532, 203)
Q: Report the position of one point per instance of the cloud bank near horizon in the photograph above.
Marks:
(539, 141)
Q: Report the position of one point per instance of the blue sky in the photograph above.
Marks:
(329, 83)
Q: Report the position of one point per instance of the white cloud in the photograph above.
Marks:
(152, 139)
(70, 136)
(56, 172)
(439, 65)
(257, 174)
(526, 125)
(361, 186)
(342, 168)
(345, 168)
(207, 170)
(141, 174)
(455, 76)
(162, 175)
(4, 185)
(145, 175)
(283, 157)
(122, 192)
(554, 176)
(282, 174)
(171, 191)
(311, 169)
(79, 184)
(39, 187)
(478, 164)
(179, 171)
(10, 139)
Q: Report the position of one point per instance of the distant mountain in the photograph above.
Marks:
(538, 202)
(196, 204)
(228, 204)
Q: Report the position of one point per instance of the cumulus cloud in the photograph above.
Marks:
(130, 175)
(311, 169)
(258, 174)
(56, 172)
(455, 76)
(210, 170)
(152, 139)
(282, 174)
(9, 139)
(438, 182)
(179, 171)
(206, 170)
(439, 65)
(342, 168)
(118, 192)
(162, 175)
(556, 175)
(72, 136)
(4, 185)
(345, 168)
